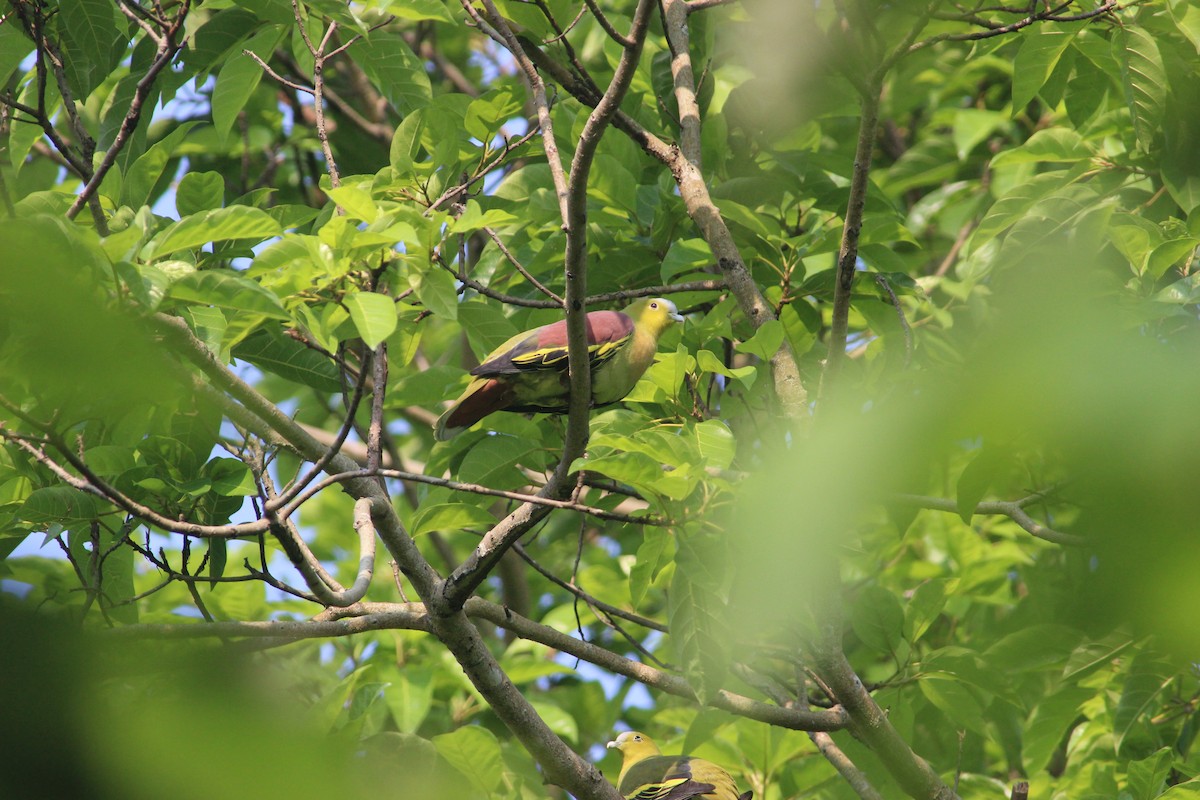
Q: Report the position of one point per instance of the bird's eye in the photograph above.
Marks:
(654, 305)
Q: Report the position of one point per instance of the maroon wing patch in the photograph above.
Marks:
(546, 348)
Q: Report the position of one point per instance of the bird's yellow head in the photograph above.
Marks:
(654, 314)
(634, 746)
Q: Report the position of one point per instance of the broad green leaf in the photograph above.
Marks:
(557, 719)
(488, 113)
(989, 467)
(924, 607)
(1040, 50)
(698, 633)
(475, 218)
(1184, 291)
(1013, 206)
(493, 462)
(146, 172)
(356, 202)
(218, 555)
(230, 477)
(437, 291)
(417, 10)
(1145, 778)
(954, 700)
(410, 696)
(878, 619)
(276, 352)
(235, 84)
(1182, 791)
(1187, 19)
(451, 518)
(1169, 254)
(394, 68)
(473, 751)
(92, 41)
(685, 256)
(974, 125)
(198, 192)
(218, 225)
(1032, 648)
(62, 504)
(1049, 144)
(374, 315)
(707, 361)
(1148, 676)
(716, 443)
(1052, 716)
(14, 46)
(765, 341)
(226, 290)
(652, 556)
(1145, 80)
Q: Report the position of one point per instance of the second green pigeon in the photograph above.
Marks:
(529, 371)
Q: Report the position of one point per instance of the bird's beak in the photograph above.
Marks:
(677, 316)
(613, 746)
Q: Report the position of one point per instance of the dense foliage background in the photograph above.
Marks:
(906, 507)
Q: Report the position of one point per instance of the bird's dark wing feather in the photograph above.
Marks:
(663, 778)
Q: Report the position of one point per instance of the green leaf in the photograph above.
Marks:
(923, 609)
(230, 477)
(1182, 791)
(1031, 648)
(218, 554)
(14, 47)
(685, 256)
(276, 352)
(410, 696)
(1052, 716)
(144, 175)
(451, 518)
(355, 202)
(1145, 81)
(974, 125)
(374, 315)
(437, 291)
(475, 218)
(417, 10)
(1037, 57)
(1013, 206)
(1186, 15)
(61, 504)
(1148, 676)
(985, 470)
(653, 554)
(878, 619)
(697, 633)
(218, 225)
(1184, 291)
(474, 752)
(765, 341)
(226, 290)
(1145, 778)
(955, 700)
(235, 84)
(707, 361)
(395, 69)
(1047, 145)
(557, 719)
(716, 443)
(198, 192)
(92, 43)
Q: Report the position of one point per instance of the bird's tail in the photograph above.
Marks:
(481, 398)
